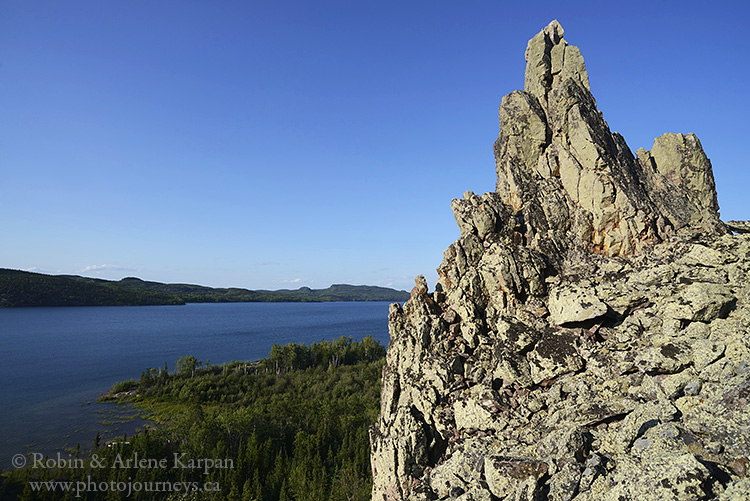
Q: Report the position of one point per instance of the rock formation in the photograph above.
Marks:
(589, 335)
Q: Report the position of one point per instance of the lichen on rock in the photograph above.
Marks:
(589, 335)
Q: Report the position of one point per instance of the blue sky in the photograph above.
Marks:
(281, 144)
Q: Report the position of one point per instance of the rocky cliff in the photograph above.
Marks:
(589, 335)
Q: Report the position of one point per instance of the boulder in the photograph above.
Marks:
(701, 302)
(575, 303)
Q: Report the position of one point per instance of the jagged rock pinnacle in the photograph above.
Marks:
(549, 60)
(588, 335)
(556, 154)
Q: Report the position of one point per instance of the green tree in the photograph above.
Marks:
(188, 365)
(300, 433)
(252, 491)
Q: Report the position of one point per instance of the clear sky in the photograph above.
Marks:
(286, 143)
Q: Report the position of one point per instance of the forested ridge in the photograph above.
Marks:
(293, 426)
(22, 288)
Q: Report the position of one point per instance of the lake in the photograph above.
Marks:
(55, 362)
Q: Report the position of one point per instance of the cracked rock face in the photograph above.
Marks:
(589, 335)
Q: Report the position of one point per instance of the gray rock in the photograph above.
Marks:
(567, 443)
(479, 411)
(575, 304)
(681, 159)
(706, 352)
(549, 60)
(554, 354)
(700, 255)
(563, 485)
(669, 477)
(421, 287)
(514, 478)
(739, 491)
(739, 226)
(460, 472)
(641, 419)
(588, 337)
(641, 444)
(667, 358)
(701, 302)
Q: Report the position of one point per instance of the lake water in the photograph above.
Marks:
(54, 362)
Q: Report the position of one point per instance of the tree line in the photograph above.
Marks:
(294, 425)
(22, 288)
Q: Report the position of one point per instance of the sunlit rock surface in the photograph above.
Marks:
(589, 335)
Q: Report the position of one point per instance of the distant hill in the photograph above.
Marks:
(23, 288)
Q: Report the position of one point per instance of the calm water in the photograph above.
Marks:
(55, 361)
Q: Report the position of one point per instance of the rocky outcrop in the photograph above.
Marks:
(555, 156)
(589, 335)
(739, 226)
